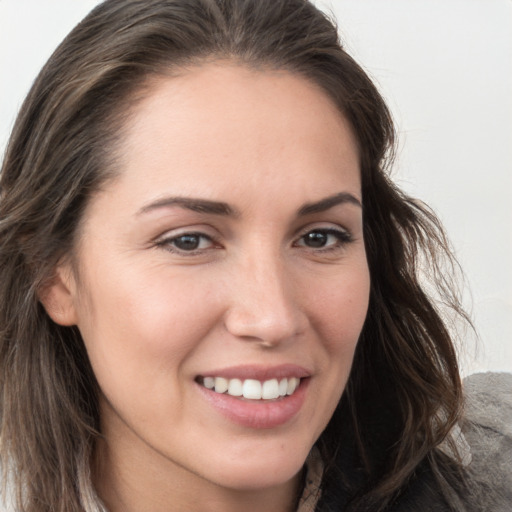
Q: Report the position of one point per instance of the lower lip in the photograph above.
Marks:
(257, 414)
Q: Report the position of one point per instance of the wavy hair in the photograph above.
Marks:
(404, 392)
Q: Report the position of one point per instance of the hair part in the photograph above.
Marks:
(404, 392)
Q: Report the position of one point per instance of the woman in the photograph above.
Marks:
(210, 290)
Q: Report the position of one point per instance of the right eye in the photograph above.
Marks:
(187, 243)
(326, 239)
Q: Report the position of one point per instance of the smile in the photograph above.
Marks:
(257, 397)
(252, 389)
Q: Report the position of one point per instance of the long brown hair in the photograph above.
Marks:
(404, 392)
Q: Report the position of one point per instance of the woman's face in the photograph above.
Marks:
(229, 252)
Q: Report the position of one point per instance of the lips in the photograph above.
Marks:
(256, 397)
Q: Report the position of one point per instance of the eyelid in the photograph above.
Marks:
(186, 229)
(328, 228)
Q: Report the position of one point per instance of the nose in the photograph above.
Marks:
(263, 303)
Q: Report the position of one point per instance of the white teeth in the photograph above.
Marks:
(253, 389)
(221, 384)
(283, 386)
(270, 389)
(235, 387)
(209, 382)
(292, 385)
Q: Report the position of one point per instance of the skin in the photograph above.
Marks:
(255, 291)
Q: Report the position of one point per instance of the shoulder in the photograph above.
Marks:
(489, 401)
(487, 429)
(484, 441)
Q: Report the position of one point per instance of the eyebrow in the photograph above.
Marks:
(189, 203)
(224, 209)
(328, 203)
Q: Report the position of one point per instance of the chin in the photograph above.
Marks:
(262, 469)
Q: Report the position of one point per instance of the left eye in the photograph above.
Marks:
(189, 242)
(324, 238)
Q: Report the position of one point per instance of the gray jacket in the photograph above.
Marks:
(486, 437)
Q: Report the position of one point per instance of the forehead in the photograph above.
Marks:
(227, 123)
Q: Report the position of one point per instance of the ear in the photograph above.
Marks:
(58, 297)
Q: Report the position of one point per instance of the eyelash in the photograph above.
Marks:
(169, 243)
(343, 238)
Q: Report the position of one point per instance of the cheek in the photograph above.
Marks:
(340, 308)
(144, 323)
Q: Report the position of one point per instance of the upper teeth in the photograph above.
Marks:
(253, 389)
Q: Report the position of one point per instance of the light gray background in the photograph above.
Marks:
(445, 67)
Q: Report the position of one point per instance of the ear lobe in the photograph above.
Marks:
(58, 297)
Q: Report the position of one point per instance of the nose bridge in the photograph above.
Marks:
(263, 305)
